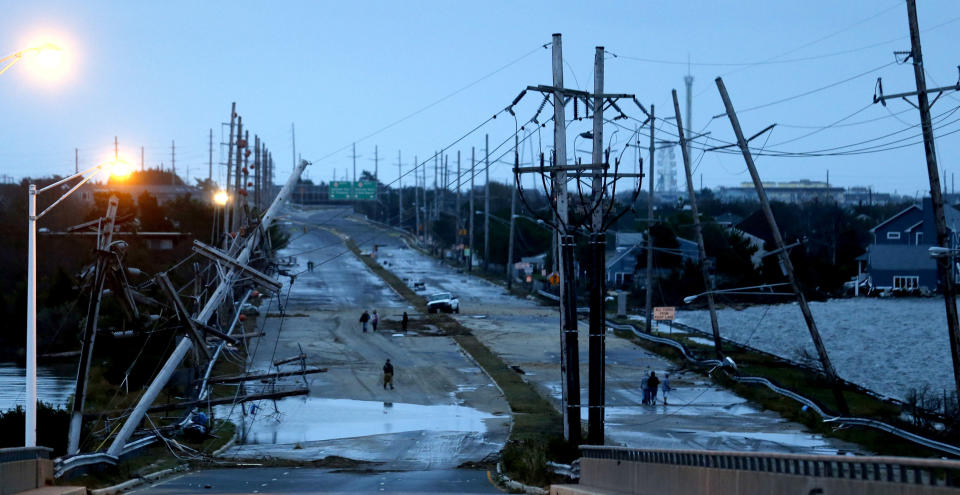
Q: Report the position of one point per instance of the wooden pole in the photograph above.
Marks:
(598, 246)
(782, 252)
(698, 229)
(648, 304)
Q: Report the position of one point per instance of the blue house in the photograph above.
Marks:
(899, 258)
(622, 264)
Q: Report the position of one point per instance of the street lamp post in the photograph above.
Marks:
(44, 50)
(116, 167)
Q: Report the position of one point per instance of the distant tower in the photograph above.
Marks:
(667, 171)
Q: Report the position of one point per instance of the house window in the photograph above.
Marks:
(919, 238)
(893, 236)
(906, 282)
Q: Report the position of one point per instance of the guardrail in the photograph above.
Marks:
(744, 468)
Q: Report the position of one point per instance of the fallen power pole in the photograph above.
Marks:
(278, 374)
(211, 305)
(708, 285)
(782, 252)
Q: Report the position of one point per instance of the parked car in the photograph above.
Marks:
(444, 302)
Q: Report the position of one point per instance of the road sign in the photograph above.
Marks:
(554, 278)
(664, 313)
(347, 191)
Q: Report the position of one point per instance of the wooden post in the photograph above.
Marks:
(698, 229)
(782, 252)
(944, 264)
(570, 356)
(598, 246)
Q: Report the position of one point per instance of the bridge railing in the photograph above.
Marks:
(598, 463)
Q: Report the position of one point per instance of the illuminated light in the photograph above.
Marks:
(46, 57)
(119, 169)
(221, 197)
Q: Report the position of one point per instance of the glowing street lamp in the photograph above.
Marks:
(221, 197)
(47, 56)
(118, 168)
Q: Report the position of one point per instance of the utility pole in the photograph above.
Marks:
(435, 213)
(473, 212)
(782, 252)
(227, 207)
(293, 141)
(353, 184)
(944, 264)
(256, 171)
(569, 345)
(416, 196)
(245, 169)
(688, 81)
(173, 162)
(76, 160)
(210, 161)
(459, 238)
(399, 190)
(701, 248)
(648, 304)
(237, 177)
(142, 162)
(513, 215)
(116, 148)
(486, 206)
(598, 246)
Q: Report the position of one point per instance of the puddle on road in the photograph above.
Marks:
(305, 419)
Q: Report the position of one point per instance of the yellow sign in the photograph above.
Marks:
(554, 278)
(664, 313)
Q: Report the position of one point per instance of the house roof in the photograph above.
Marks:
(898, 215)
(901, 257)
(630, 238)
(620, 255)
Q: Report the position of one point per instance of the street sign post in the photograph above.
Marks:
(664, 313)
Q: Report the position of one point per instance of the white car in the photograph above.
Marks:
(443, 302)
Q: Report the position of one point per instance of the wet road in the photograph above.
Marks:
(312, 480)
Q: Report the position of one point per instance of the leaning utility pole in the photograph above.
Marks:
(103, 265)
(203, 317)
(473, 213)
(416, 197)
(486, 205)
(459, 238)
(782, 252)
(648, 305)
(944, 264)
(598, 246)
(701, 248)
(513, 215)
(569, 344)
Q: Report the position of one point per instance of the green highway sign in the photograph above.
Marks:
(348, 191)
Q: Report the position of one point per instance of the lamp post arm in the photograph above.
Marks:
(61, 198)
(11, 64)
(68, 179)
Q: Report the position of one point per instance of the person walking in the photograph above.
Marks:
(364, 318)
(653, 383)
(387, 375)
(403, 322)
(375, 320)
(665, 387)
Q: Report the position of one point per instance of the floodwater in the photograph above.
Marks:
(307, 419)
(55, 384)
(887, 345)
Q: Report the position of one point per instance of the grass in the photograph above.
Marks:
(537, 433)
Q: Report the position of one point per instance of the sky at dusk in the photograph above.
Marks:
(416, 76)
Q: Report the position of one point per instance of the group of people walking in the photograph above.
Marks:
(650, 386)
(374, 319)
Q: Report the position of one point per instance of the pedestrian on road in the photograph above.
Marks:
(403, 322)
(375, 320)
(646, 390)
(665, 387)
(653, 383)
(309, 266)
(364, 318)
(387, 375)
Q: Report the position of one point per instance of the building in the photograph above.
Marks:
(899, 257)
(163, 192)
(621, 269)
(800, 191)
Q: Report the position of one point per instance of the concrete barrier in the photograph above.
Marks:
(690, 472)
(24, 468)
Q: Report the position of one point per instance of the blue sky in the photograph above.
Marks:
(154, 72)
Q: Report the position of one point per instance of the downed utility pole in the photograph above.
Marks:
(104, 239)
(222, 290)
(782, 251)
(701, 249)
(946, 263)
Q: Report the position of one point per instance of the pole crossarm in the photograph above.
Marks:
(182, 313)
(215, 254)
(882, 98)
(543, 88)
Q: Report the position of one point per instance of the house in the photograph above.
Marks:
(899, 257)
(622, 264)
(800, 191)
